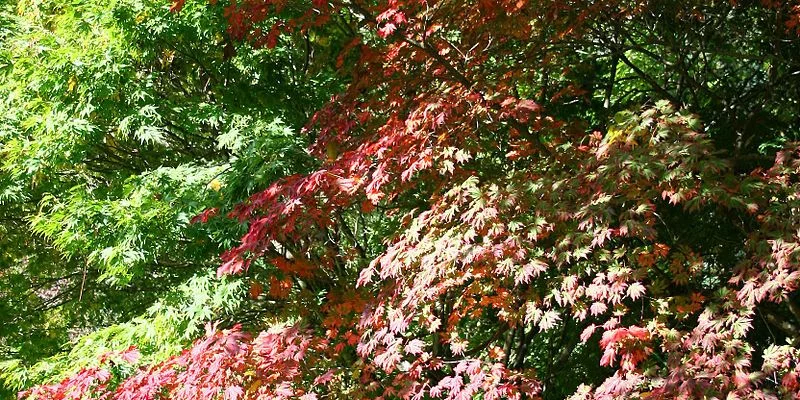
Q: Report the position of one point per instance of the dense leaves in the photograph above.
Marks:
(497, 192)
(122, 121)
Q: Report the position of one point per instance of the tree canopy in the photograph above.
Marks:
(440, 199)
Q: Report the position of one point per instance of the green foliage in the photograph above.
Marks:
(162, 331)
(119, 122)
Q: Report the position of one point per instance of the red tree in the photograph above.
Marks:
(524, 224)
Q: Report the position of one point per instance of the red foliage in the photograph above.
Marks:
(228, 363)
(568, 234)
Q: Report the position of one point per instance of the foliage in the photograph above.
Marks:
(119, 122)
(157, 334)
(498, 191)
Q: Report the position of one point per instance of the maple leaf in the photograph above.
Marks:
(205, 215)
(414, 347)
(598, 308)
(255, 290)
(458, 346)
(232, 267)
(549, 320)
(636, 290)
(131, 355)
(365, 277)
(387, 29)
(324, 378)
(588, 332)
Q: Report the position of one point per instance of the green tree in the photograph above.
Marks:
(119, 122)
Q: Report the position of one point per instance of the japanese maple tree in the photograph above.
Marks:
(516, 199)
